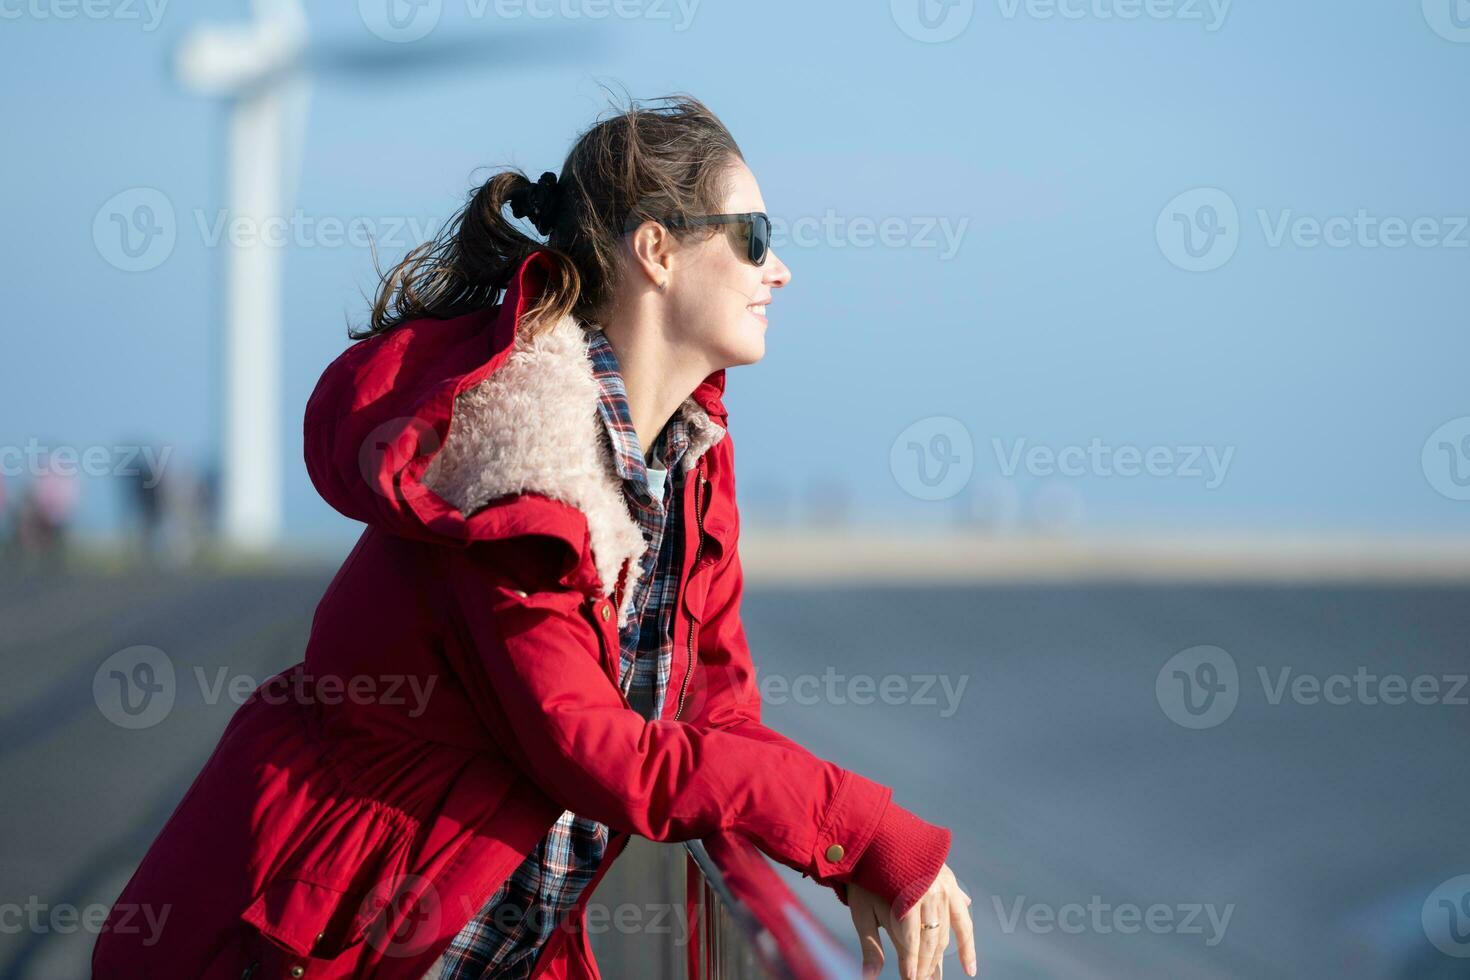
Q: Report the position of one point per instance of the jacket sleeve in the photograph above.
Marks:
(905, 853)
(541, 651)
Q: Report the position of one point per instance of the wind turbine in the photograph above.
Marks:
(262, 68)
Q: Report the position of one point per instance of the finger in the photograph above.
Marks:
(964, 930)
(929, 938)
(869, 941)
(906, 944)
(943, 933)
(943, 943)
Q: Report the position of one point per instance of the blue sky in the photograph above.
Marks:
(1033, 294)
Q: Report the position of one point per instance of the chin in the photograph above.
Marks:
(750, 349)
(743, 343)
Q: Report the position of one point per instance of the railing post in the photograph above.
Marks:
(707, 910)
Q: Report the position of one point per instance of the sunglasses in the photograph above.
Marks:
(755, 228)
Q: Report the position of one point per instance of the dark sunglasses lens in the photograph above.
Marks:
(760, 238)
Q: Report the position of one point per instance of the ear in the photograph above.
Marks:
(652, 246)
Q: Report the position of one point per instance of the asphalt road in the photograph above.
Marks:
(1098, 836)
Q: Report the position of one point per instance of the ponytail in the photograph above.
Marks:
(666, 161)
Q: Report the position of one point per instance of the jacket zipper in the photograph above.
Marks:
(698, 549)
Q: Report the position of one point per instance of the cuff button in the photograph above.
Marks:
(835, 852)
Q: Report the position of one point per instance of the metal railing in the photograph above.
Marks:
(707, 910)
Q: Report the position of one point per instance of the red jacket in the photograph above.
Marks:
(458, 689)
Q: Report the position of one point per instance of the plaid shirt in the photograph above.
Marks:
(503, 940)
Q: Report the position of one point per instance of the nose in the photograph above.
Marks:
(777, 274)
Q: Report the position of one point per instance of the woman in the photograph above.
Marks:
(541, 620)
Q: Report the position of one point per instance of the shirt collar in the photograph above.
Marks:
(612, 405)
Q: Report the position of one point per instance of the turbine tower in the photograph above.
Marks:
(258, 68)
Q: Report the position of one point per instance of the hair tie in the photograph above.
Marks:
(538, 202)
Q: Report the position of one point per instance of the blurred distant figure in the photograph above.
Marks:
(209, 481)
(770, 503)
(5, 533)
(184, 519)
(993, 507)
(1057, 508)
(145, 500)
(169, 511)
(829, 503)
(45, 511)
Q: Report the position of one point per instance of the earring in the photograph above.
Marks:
(661, 284)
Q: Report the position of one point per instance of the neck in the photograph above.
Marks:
(658, 373)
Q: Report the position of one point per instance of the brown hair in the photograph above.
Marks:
(670, 160)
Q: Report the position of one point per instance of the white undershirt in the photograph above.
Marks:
(656, 478)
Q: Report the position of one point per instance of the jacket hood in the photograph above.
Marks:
(466, 429)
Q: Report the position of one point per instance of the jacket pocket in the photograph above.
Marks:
(310, 918)
(325, 846)
(713, 546)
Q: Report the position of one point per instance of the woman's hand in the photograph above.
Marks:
(920, 951)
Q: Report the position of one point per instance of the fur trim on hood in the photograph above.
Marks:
(533, 426)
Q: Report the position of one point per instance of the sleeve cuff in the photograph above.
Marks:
(903, 858)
